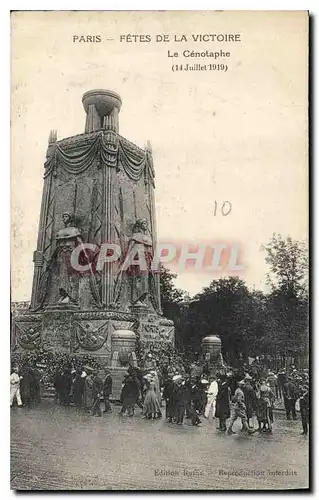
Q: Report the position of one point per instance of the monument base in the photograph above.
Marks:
(79, 333)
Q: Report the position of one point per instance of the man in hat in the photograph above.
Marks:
(250, 398)
(223, 401)
(88, 388)
(168, 396)
(137, 375)
(304, 409)
(78, 388)
(281, 380)
(239, 410)
(272, 381)
(36, 383)
(179, 398)
(107, 391)
(66, 383)
(96, 394)
(195, 401)
(129, 395)
(290, 393)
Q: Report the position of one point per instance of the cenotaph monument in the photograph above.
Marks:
(98, 188)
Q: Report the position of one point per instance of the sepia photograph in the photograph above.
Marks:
(159, 251)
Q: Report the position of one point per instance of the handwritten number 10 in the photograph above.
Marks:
(225, 209)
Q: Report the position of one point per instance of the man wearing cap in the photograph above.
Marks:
(239, 409)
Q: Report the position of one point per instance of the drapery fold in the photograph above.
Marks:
(133, 163)
(111, 150)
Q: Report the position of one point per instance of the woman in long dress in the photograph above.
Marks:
(151, 408)
(129, 395)
(157, 386)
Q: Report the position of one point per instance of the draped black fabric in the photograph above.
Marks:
(133, 162)
(109, 150)
(78, 161)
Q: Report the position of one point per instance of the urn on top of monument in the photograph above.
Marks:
(102, 108)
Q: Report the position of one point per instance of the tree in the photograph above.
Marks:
(287, 304)
(288, 261)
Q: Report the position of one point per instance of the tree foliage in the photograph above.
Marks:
(287, 304)
(288, 262)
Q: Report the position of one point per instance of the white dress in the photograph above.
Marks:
(211, 399)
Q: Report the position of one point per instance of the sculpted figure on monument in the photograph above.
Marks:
(59, 274)
(141, 281)
(67, 239)
(68, 231)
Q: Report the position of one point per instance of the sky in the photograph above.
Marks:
(238, 135)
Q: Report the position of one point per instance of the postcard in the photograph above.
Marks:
(159, 186)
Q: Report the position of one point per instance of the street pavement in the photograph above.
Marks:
(63, 448)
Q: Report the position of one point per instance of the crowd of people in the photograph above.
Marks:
(186, 390)
(227, 396)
